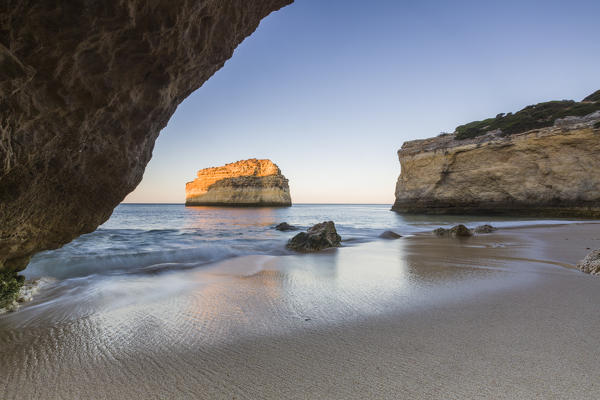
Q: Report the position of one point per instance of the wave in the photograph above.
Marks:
(126, 249)
(74, 265)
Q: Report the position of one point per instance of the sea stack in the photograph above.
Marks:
(542, 160)
(246, 183)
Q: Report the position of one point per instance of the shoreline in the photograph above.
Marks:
(583, 211)
(30, 286)
(497, 315)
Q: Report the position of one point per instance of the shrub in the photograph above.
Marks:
(10, 283)
(536, 116)
(593, 97)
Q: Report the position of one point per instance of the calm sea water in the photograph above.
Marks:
(148, 237)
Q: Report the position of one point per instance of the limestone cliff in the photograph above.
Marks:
(548, 171)
(85, 88)
(244, 183)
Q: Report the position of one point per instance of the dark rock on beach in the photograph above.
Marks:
(390, 235)
(460, 230)
(485, 229)
(284, 227)
(455, 231)
(318, 237)
(440, 231)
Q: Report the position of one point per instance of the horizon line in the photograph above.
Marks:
(382, 204)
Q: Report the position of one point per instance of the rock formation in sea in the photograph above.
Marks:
(243, 183)
(542, 160)
(85, 88)
(285, 227)
(390, 235)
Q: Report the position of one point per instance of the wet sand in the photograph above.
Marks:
(500, 316)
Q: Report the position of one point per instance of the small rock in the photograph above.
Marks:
(390, 235)
(284, 227)
(461, 231)
(485, 229)
(455, 231)
(440, 231)
(591, 263)
(318, 237)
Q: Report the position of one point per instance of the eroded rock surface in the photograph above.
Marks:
(591, 263)
(243, 183)
(456, 231)
(548, 171)
(85, 88)
(318, 237)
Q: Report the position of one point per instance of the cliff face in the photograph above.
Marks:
(549, 171)
(85, 88)
(244, 183)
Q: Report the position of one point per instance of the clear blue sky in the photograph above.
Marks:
(329, 90)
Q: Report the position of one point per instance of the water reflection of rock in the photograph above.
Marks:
(434, 260)
(236, 297)
(210, 217)
(245, 294)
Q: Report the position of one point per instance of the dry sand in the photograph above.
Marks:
(498, 316)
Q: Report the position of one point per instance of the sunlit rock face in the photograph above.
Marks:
(551, 171)
(244, 183)
(85, 88)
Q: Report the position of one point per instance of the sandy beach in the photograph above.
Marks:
(501, 316)
(281, 200)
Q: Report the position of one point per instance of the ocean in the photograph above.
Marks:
(168, 302)
(154, 237)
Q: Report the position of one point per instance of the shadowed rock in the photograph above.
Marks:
(591, 263)
(455, 231)
(485, 229)
(85, 88)
(284, 227)
(318, 237)
(390, 235)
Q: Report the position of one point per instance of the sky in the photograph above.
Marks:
(329, 90)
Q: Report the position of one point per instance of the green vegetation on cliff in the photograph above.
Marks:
(536, 116)
(10, 284)
(593, 97)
